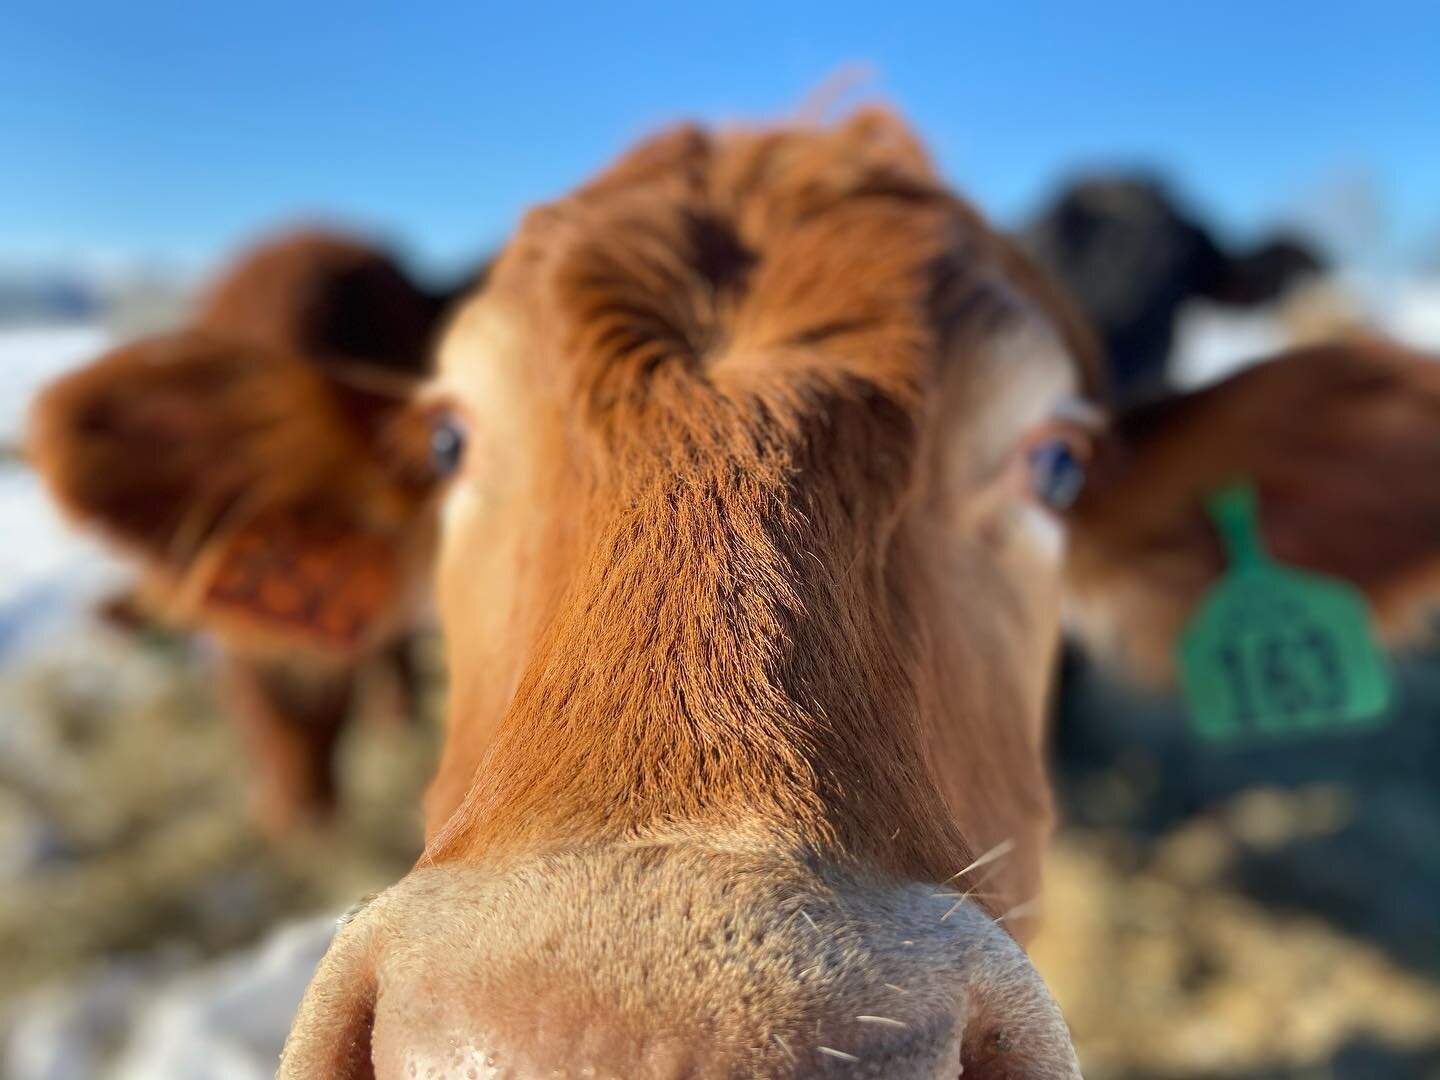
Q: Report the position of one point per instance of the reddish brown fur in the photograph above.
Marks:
(749, 336)
(327, 297)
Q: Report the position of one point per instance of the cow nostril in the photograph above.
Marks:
(333, 1032)
(1009, 1026)
(996, 1043)
(339, 1047)
(983, 1058)
(1000, 1052)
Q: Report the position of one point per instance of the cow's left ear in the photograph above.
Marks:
(1342, 445)
(270, 501)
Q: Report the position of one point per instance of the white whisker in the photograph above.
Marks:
(867, 1019)
(955, 906)
(1020, 911)
(841, 1054)
(999, 851)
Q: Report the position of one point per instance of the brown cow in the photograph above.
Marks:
(258, 466)
(749, 607)
(1343, 443)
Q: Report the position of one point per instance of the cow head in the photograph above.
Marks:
(751, 578)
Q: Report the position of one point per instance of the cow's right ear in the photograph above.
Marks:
(1342, 445)
(1262, 274)
(266, 496)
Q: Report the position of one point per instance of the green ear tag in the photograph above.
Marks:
(1272, 651)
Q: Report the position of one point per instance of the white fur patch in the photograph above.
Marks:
(1044, 531)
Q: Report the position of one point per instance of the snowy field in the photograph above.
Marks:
(47, 570)
(1212, 341)
(32, 355)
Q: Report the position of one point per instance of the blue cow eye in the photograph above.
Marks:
(447, 445)
(1057, 475)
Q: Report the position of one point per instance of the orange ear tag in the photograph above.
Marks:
(326, 585)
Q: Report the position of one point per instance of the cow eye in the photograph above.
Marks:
(1057, 473)
(447, 444)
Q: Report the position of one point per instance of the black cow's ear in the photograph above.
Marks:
(1341, 443)
(1262, 274)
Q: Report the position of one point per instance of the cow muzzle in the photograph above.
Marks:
(659, 964)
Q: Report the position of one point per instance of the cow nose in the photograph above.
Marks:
(661, 974)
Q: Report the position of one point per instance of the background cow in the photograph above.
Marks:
(1132, 256)
(257, 466)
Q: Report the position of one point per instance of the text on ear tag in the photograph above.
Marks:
(1273, 651)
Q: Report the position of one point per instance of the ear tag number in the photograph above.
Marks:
(1272, 651)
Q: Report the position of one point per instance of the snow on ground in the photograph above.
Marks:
(224, 1022)
(1414, 313)
(30, 356)
(1212, 341)
(46, 568)
(228, 1023)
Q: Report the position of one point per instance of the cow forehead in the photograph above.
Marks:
(1019, 372)
(850, 252)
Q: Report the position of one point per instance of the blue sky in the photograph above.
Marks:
(174, 130)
